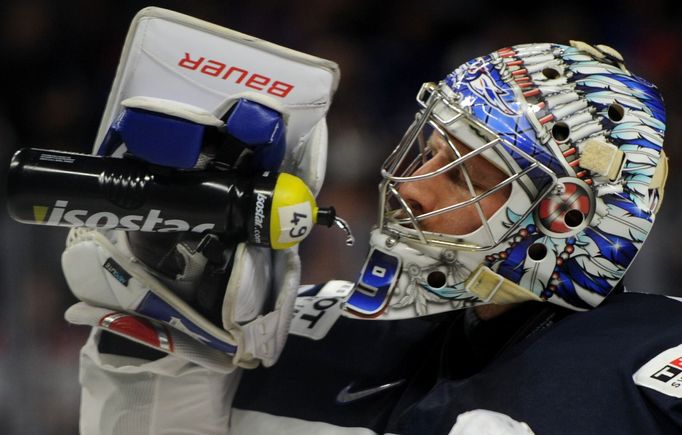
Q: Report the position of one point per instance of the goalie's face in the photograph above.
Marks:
(458, 184)
(448, 176)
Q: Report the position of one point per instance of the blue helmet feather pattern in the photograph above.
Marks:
(565, 289)
(618, 250)
(584, 279)
(512, 266)
(627, 205)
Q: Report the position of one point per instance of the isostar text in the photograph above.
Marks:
(152, 222)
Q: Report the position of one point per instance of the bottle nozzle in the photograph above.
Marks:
(350, 240)
(327, 216)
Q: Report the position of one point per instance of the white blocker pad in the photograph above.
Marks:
(177, 57)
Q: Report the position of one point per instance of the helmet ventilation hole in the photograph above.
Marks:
(616, 112)
(436, 279)
(561, 131)
(537, 251)
(573, 218)
(550, 73)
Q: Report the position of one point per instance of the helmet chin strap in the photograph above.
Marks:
(493, 288)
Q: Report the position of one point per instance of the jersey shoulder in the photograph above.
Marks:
(584, 363)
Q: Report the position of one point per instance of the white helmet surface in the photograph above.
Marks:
(532, 173)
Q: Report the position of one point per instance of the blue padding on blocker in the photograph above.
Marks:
(111, 141)
(156, 138)
(261, 129)
(154, 307)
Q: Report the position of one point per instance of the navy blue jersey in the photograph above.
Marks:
(560, 372)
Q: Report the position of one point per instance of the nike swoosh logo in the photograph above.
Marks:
(347, 396)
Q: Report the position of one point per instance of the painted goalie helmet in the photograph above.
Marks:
(532, 173)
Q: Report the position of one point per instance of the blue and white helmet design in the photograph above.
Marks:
(578, 142)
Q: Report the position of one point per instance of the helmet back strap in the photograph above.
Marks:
(603, 158)
(659, 179)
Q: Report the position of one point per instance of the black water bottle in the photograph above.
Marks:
(69, 189)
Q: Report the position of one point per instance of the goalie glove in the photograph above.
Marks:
(170, 90)
(121, 294)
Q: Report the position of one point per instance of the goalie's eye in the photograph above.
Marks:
(447, 150)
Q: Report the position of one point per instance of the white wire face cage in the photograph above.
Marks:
(446, 141)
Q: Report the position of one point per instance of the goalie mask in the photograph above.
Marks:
(532, 173)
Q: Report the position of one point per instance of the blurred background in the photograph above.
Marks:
(58, 62)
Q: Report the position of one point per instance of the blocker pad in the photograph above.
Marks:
(173, 56)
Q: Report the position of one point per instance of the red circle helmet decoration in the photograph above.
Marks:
(568, 209)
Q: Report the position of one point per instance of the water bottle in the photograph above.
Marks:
(75, 190)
